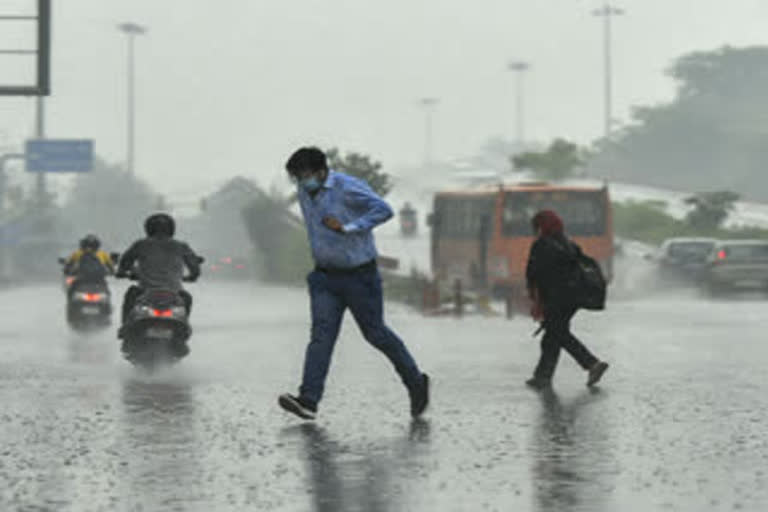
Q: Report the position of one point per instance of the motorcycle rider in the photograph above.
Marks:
(160, 260)
(89, 264)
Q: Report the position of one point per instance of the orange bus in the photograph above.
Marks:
(482, 236)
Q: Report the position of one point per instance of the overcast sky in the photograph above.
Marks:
(230, 87)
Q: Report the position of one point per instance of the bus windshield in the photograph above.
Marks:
(583, 212)
(463, 217)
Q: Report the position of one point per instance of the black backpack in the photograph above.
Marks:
(586, 284)
(90, 268)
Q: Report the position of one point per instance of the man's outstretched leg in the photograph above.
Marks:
(327, 312)
(365, 298)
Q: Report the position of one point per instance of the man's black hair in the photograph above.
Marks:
(306, 158)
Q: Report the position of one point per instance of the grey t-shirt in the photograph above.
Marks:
(160, 262)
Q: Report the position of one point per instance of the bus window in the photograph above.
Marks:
(583, 213)
(462, 217)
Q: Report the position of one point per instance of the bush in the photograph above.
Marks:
(647, 221)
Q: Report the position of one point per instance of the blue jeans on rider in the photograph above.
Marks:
(331, 293)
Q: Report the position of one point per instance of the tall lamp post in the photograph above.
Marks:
(429, 105)
(519, 68)
(131, 30)
(607, 12)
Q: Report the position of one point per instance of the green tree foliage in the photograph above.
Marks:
(648, 221)
(280, 237)
(710, 209)
(361, 166)
(558, 162)
(713, 134)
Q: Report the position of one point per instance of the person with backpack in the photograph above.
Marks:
(559, 280)
(89, 264)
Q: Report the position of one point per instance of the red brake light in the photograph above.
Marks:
(721, 255)
(163, 313)
(240, 266)
(92, 297)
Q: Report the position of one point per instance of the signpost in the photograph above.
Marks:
(59, 155)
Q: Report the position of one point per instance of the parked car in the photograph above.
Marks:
(684, 260)
(738, 265)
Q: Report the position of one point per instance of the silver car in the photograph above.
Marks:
(684, 260)
(738, 265)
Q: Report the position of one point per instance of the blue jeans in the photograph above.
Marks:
(330, 295)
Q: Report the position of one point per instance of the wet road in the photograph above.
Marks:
(678, 424)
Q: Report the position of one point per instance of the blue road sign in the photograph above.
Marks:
(59, 155)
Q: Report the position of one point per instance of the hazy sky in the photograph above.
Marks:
(232, 86)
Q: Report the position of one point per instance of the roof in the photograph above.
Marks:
(688, 239)
(742, 242)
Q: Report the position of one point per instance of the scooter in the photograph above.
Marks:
(157, 328)
(89, 304)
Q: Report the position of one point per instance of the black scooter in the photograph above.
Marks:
(89, 304)
(156, 331)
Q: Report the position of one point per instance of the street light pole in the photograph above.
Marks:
(42, 188)
(131, 30)
(607, 12)
(429, 105)
(519, 68)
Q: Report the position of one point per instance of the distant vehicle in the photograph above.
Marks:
(684, 260)
(737, 265)
(482, 236)
(231, 267)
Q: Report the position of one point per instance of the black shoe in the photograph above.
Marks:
(538, 383)
(596, 373)
(420, 397)
(301, 407)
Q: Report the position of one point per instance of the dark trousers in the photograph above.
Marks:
(557, 335)
(134, 292)
(331, 293)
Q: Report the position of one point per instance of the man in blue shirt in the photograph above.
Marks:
(339, 212)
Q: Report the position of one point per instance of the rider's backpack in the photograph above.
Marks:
(90, 268)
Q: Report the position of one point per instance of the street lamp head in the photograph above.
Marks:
(518, 66)
(428, 102)
(608, 10)
(132, 28)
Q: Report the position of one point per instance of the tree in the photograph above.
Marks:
(712, 134)
(558, 162)
(710, 209)
(361, 166)
(279, 236)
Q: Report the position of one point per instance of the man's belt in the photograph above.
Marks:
(368, 265)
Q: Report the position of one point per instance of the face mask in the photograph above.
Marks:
(311, 184)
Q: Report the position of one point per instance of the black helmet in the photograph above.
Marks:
(160, 224)
(90, 242)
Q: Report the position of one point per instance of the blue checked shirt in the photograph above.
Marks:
(357, 207)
